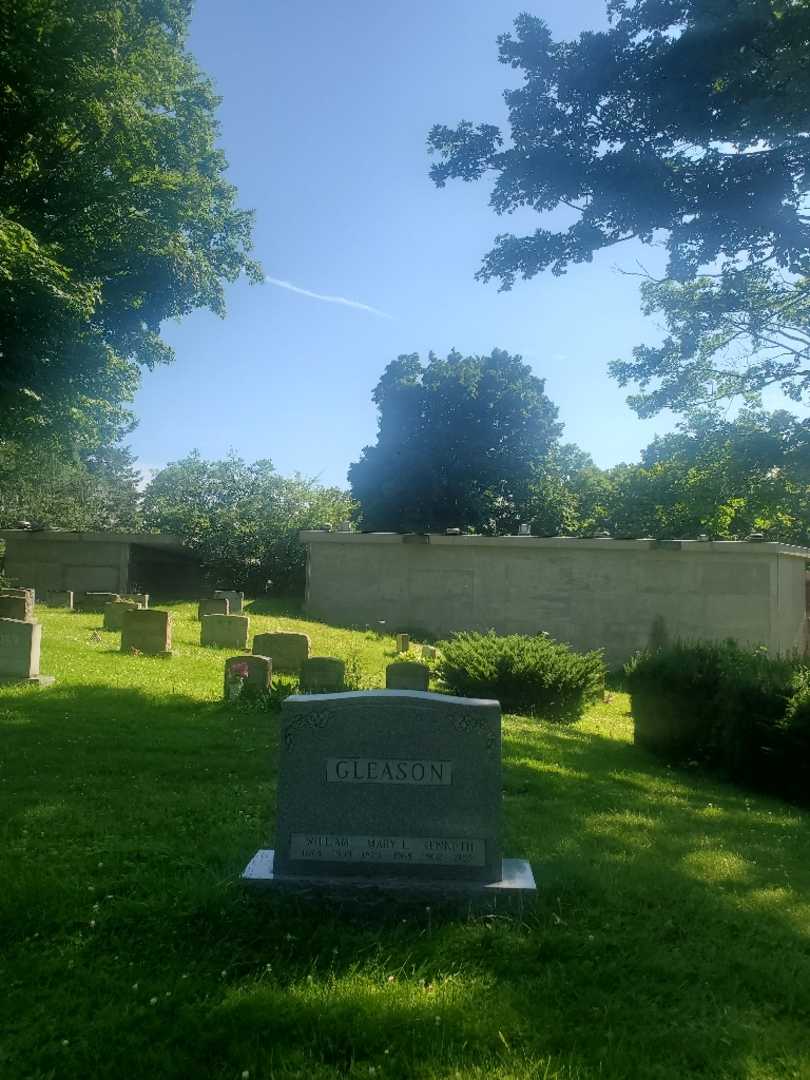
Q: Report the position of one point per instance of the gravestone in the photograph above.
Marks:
(288, 650)
(141, 598)
(114, 613)
(62, 598)
(403, 642)
(20, 644)
(95, 601)
(321, 674)
(398, 790)
(429, 652)
(212, 605)
(235, 599)
(13, 591)
(148, 631)
(407, 675)
(226, 631)
(247, 676)
(16, 607)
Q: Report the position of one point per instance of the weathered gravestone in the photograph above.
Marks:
(235, 599)
(212, 605)
(114, 613)
(10, 590)
(95, 601)
(429, 652)
(407, 675)
(148, 631)
(403, 642)
(393, 789)
(62, 598)
(226, 631)
(322, 674)
(288, 650)
(141, 598)
(20, 644)
(16, 607)
(247, 676)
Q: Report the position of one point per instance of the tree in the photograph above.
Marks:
(242, 519)
(459, 444)
(569, 496)
(86, 490)
(685, 122)
(724, 478)
(114, 211)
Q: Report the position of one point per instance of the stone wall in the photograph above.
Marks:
(619, 595)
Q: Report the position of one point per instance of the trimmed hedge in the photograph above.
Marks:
(728, 707)
(527, 674)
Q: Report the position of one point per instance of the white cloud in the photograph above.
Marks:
(327, 299)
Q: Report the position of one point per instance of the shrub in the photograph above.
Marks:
(727, 706)
(535, 674)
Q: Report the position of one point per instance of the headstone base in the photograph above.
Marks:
(35, 680)
(517, 883)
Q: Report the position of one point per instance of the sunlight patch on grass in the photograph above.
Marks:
(717, 865)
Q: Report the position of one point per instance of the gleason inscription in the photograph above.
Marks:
(401, 789)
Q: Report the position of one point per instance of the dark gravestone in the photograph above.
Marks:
(20, 644)
(114, 613)
(16, 607)
(393, 789)
(94, 601)
(212, 605)
(323, 674)
(235, 600)
(147, 631)
(407, 675)
(61, 598)
(288, 650)
(247, 676)
(225, 631)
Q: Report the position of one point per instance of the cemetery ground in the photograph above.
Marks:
(670, 938)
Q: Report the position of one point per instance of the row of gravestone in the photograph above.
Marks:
(251, 674)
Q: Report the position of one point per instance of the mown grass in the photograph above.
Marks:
(671, 937)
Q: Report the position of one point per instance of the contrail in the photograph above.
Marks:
(327, 299)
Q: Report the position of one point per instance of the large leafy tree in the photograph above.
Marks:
(460, 442)
(115, 213)
(241, 518)
(685, 122)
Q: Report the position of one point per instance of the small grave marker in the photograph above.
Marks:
(141, 598)
(16, 607)
(235, 600)
(247, 676)
(403, 642)
(429, 652)
(225, 631)
(114, 613)
(213, 605)
(399, 790)
(288, 650)
(20, 645)
(61, 598)
(322, 674)
(407, 675)
(95, 601)
(148, 631)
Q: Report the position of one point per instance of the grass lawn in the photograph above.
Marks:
(671, 938)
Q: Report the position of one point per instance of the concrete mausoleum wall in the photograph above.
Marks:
(100, 562)
(618, 595)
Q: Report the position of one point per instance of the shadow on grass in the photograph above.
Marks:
(670, 937)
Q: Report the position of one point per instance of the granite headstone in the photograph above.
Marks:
(235, 600)
(94, 601)
(16, 607)
(393, 789)
(148, 631)
(20, 645)
(213, 605)
(407, 675)
(288, 650)
(225, 631)
(323, 674)
(61, 598)
(114, 613)
(247, 676)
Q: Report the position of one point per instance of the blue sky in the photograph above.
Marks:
(324, 121)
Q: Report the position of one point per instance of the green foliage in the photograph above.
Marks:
(727, 706)
(114, 211)
(241, 519)
(534, 674)
(725, 478)
(686, 119)
(49, 485)
(459, 444)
